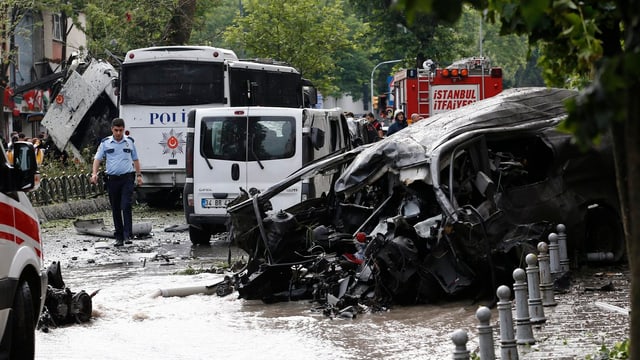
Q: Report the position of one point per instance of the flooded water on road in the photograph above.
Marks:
(128, 322)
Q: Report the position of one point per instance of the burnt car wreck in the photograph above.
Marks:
(445, 208)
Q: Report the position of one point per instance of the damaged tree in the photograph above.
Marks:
(446, 209)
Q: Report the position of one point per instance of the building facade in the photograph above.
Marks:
(35, 52)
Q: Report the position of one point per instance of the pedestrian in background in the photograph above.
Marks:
(399, 122)
(37, 145)
(384, 118)
(122, 171)
(415, 117)
(374, 128)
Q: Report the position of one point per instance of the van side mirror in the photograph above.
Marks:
(25, 168)
(310, 97)
(309, 94)
(317, 138)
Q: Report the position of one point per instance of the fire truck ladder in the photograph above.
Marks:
(424, 81)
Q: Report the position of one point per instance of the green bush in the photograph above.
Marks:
(619, 351)
(54, 166)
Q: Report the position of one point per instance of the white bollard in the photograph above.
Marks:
(508, 347)
(524, 333)
(600, 256)
(546, 284)
(460, 338)
(562, 248)
(536, 311)
(485, 333)
(554, 254)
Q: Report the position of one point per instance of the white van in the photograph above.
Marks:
(23, 282)
(230, 150)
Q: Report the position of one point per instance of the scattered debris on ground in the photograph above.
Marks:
(445, 209)
(63, 306)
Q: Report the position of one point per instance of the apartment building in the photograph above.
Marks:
(35, 52)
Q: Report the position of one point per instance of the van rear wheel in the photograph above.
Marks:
(23, 322)
(199, 235)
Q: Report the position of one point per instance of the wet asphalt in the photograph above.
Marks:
(585, 318)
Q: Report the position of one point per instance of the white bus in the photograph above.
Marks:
(158, 87)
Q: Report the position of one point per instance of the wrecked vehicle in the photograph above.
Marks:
(84, 103)
(63, 306)
(446, 208)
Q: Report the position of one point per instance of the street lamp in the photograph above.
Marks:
(372, 71)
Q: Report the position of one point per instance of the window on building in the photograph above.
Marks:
(57, 27)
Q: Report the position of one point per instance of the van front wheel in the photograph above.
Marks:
(199, 235)
(23, 322)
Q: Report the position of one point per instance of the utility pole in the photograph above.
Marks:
(372, 71)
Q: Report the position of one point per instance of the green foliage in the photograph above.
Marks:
(308, 35)
(405, 31)
(353, 67)
(604, 101)
(121, 25)
(620, 351)
(54, 166)
(571, 32)
(446, 10)
(211, 23)
(509, 52)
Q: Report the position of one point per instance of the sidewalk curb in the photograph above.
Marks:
(72, 209)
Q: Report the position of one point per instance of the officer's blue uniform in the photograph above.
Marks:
(120, 180)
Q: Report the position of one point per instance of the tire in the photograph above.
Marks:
(604, 232)
(219, 229)
(23, 324)
(199, 236)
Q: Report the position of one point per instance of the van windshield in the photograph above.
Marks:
(269, 138)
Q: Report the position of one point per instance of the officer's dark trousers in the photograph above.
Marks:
(120, 190)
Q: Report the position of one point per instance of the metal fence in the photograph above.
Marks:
(65, 188)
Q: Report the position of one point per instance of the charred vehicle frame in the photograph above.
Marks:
(445, 208)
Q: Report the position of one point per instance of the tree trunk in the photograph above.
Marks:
(631, 136)
(630, 207)
(181, 23)
(633, 238)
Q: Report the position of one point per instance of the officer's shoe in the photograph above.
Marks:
(128, 241)
(118, 243)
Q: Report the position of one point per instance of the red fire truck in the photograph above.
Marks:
(431, 90)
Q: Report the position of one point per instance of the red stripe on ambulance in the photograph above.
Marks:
(23, 222)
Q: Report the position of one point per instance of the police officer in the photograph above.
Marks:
(122, 160)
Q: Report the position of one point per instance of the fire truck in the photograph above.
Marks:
(432, 90)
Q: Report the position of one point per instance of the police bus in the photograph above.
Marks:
(159, 85)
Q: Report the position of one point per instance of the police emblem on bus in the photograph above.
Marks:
(172, 142)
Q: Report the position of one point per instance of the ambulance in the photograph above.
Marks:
(23, 279)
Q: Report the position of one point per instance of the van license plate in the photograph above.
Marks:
(215, 203)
